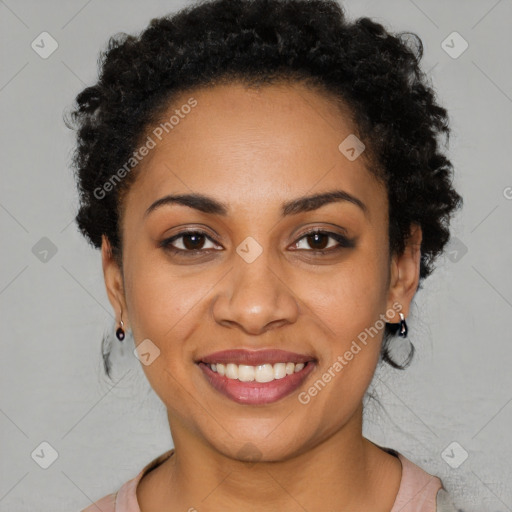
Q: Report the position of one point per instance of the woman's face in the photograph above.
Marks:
(253, 279)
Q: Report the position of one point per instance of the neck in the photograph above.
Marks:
(344, 468)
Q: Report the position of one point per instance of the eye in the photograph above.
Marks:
(317, 239)
(192, 242)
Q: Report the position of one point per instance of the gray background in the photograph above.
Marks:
(54, 308)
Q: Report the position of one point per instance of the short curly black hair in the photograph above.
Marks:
(373, 73)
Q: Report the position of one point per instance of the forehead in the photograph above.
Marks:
(251, 148)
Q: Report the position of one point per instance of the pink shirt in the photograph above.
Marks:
(417, 492)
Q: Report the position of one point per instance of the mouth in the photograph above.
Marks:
(256, 377)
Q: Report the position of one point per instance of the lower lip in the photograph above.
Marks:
(255, 393)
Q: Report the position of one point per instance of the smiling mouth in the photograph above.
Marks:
(262, 373)
(256, 377)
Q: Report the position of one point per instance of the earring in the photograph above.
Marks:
(403, 326)
(120, 332)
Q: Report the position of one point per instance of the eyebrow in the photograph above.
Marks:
(212, 206)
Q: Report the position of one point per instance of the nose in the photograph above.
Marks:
(254, 297)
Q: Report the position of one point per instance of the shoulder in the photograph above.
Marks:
(125, 499)
(105, 504)
(420, 491)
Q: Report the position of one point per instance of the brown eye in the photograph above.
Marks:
(191, 241)
(318, 241)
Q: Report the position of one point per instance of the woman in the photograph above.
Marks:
(266, 185)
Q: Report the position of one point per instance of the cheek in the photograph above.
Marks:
(350, 303)
(352, 297)
(349, 353)
(164, 309)
(169, 309)
(159, 300)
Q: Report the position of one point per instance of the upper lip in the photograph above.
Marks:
(255, 357)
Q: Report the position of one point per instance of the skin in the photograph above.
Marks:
(254, 150)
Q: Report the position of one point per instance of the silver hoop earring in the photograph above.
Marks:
(403, 326)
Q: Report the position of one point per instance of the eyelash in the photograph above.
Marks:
(344, 242)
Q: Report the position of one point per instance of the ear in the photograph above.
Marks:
(405, 272)
(113, 282)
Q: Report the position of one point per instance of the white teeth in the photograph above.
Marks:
(261, 373)
(245, 373)
(232, 371)
(264, 373)
(280, 370)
